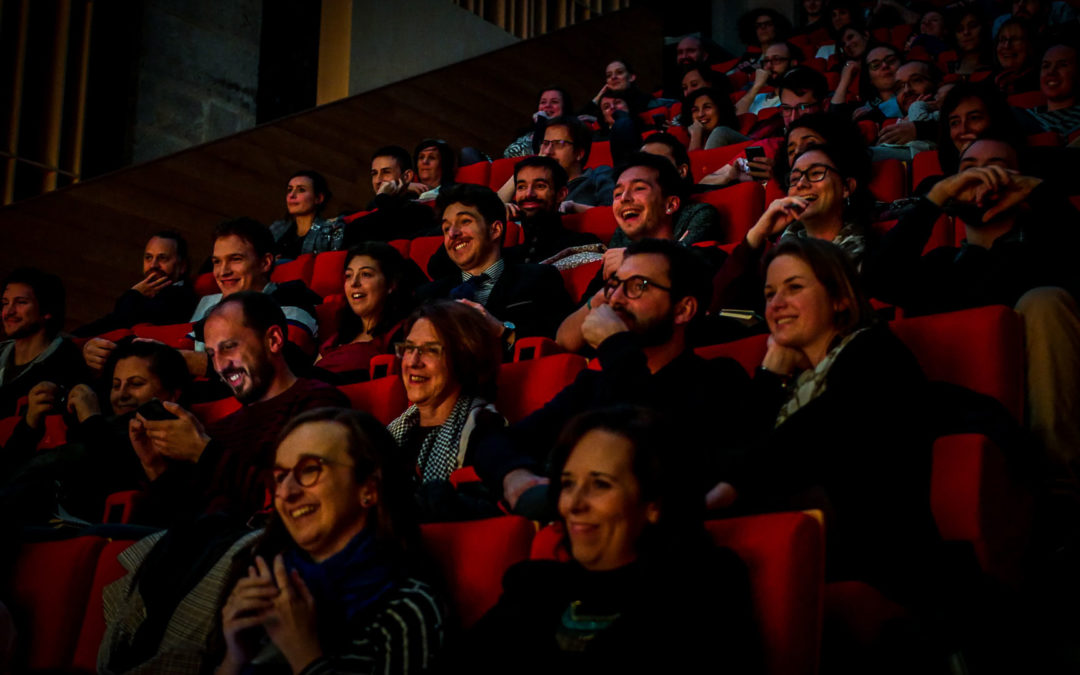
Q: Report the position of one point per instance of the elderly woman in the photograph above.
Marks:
(332, 583)
(643, 589)
(378, 296)
(1016, 58)
(449, 362)
(709, 117)
(305, 230)
(551, 103)
(850, 435)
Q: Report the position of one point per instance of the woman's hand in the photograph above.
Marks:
(291, 622)
(153, 462)
(781, 213)
(83, 402)
(783, 360)
(599, 94)
(247, 607)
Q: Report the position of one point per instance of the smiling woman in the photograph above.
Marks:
(642, 572)
(304, 230)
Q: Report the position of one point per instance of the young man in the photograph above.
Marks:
(518, 299)
(539, 188)
(778, 59)
(392, 214)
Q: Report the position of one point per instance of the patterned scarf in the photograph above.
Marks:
(811, 383)
(851, 238)
(439, 452)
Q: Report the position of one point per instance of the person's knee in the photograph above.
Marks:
(1046, 301)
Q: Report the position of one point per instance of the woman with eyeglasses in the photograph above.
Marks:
(335, 582)
(449, 363)
(877, 83)
(1016, 58)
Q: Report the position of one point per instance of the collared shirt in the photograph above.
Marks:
(493, 273)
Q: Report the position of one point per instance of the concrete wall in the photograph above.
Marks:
(198, 74)
(390, 44)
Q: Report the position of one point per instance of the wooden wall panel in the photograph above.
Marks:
(92, 233)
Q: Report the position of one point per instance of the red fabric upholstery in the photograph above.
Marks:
(474, 555)
(214, 410)
(175, 335)
(383, 365)
(748, 351)
(502, 170)
(525, 386)
(113, 335)
(402, 246)
(888, 180)
(1027, 99)
(535, 347)
(205, 284)
(52, 584)
(326, 315)
(600, 154)
(108, 570)
(869, 131)
(925, 164)
(384, 398)
(120, 506)
(7, 427)
(422, 248)
(477, 174)
(327, 277)
(55, 432)
(981, 349)
(294, 269)
(514, 234)
(576, 279)
(740, 205)
(1049, 139)
(704, 162)
(746, 120)
(599, 220)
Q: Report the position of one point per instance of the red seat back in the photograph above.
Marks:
(474, 556)
(422, 248)
(327, 276)
(599, 220)
(502, 170)
(599, 154)
(525, 386)
(52, 584)
(205, 284)
(923, 165)
(299, 269)
(888, 180)
(704, 162)
(384, 398)
(326, 314)
(175, 335)
(740, 205)
(212, 411)
(108, 570)
(749, 352)
(576, 279)
(477, 174)
(1027, 99)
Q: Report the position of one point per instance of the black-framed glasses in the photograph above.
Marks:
(815, 174)
(433, 349)
(632, 287)
(800, 107)
(556, 143)
(306, 472)
(775, 59)
(878, 64)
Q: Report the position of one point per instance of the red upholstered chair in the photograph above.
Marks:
(327, 277)
(1027, 99)
(212, 411)
(1049, 139)
(766, 113)
(474, 556)
(113, 335)
(51, 587)
(704, 162)
(402, 246)
(55, 432)
(384, 398)
(383, 365)
(746, 121)
(599, 154)
(174, 335)
(108, 570)
(981, 349)
(205, 284)
(680, 133)
(477, 174)
(923, 165)
(514, 234)
(576, 279)
(299, 269)
(599, 220)
(525, 386)
(7, 427)
(869, 131)
(327, 315)
(748, 351)
(740, 205)
(888, 180)
(422, 248)
(529, 348)
(502, 170)
(785, 556)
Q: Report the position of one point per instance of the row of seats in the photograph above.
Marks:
(59, 583)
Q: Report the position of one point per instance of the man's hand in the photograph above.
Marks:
(517, 482)
(721, 496)
(291, 622)
(987, 186)
(183, 438)
(601, 323)
(781, 213)
(152, 284)
(494, 325)
(83, 402)
(392, 187)
(96, 352)
(761, 76)
(41, 400)
(570, 206)
(613, 259)
(898, 134)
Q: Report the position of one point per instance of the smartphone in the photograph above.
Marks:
(154, 410)
(755, 152)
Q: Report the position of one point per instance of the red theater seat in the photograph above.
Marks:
(525, 386)
(326, 314)
(740, 206)
(888, 180)
(384, 398)
(599, 154)
(108, 570)
(52, 584)
(599, 220)
(210, 412)
(704, 162)
(175, 335)
(749, 352)
(1027, 99)
(502, 170)
(205, 284)
(294, 270)
(474, 556)
(327, 276)
(576, 279)
(924, 165)
(477, 174)
(422, 248)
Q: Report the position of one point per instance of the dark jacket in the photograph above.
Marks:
(172, 304)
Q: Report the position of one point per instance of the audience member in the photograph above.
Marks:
(691, 50)
(967, 112)
(434, 161)
(846, 13)
(568, 142)
(638, 325)
(758, 29)
(714, 121)
(33, 313)
(854, 42)
(619, 76)
(1020, 239)
(778, 59)
(667, 146)
(813, 17)
(517, 299)
(1059, 80)
(877, 82)
(305, 230)
(620, 124)
(553, 102)
(163, 296)
(539, 189)
(392, 214)
(196, 469)
(971, 40)
(1015, 55)
(916, 93)
(699, 77)
(635, 536)
(931, 34)
(449, 363)
(378, 291)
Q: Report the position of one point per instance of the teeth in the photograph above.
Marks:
(461, 246)
(302, 511)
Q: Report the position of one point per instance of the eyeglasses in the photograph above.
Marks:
(878, 64)
(306, 472)
(768, 23)
(815, 174)
(432, 349)
(1006, 39)
(801, 107)
(901, 85)
(632, 287)
(555, 143)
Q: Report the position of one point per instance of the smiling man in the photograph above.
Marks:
(392, 214)
(245, 336)
(539, 188)
(519, 299)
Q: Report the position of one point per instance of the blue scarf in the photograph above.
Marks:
(346, 583)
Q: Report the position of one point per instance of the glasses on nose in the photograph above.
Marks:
(555, 144)
(901, 85)
(1007, 40)
(633, 287)
(800, 108)
(878, 64)
(775, 59)
(815, 174)
(427, 349)
(306, 472)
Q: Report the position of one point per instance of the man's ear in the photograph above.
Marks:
(275, 340)
(266, 265)
(652, 513)
(579, 155)
(560, 196)
(849, 187)
(671, 204)
(685, 310)
(497, 229)
(407, 176)
(684, 170)
(632, 78)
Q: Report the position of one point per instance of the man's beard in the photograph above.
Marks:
(650, 332)
(260, 375)
(25, 330)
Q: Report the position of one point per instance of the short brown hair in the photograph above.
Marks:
(473, 353)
